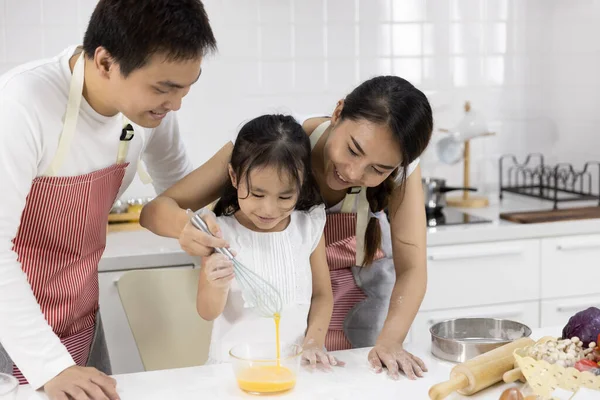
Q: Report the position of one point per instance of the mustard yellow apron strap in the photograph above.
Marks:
(318, 132)
(71, 116)
(362, 218)
(126, 137)
(362, 221)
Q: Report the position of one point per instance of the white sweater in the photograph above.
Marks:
(33, 100)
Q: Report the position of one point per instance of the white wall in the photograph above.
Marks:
(531, 65)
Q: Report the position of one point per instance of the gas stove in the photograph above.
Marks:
(450, 216)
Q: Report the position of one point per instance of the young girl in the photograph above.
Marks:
(272, 215)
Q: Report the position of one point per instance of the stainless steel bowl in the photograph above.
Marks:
(460, 339)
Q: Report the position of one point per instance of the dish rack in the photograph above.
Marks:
(558, 183)
(544, 377)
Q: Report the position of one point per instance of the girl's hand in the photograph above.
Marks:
(197, 243)
(313, 354)
(395, 358)
(218, 270)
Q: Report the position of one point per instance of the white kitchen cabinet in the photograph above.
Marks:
(122, 349)
(482, 274)
(525, 312)
(568, 263)
(557, 312)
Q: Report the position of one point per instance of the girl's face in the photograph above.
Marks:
(359, 153)
(268, 201)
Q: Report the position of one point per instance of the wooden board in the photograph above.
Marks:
(123, 227)
(566, 214)
(124, 217)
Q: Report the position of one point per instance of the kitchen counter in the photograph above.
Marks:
(354, 381)
(142, 249)
(499, 229)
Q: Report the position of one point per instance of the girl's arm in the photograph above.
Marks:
(321, 305)
(216, 275)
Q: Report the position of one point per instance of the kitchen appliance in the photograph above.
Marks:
(480, 372)
(450, 216)
(461, 339)
(435, 190)
(456, 146)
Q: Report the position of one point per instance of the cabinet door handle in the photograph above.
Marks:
(576, 307)
(505, 314)
(578, 246)
(507, 251)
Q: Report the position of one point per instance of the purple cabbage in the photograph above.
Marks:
(585, 325)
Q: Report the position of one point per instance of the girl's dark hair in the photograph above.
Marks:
(404, 109)
(275, 141)
(134, 30)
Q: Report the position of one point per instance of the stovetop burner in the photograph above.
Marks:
(449, 216)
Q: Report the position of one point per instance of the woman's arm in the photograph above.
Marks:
(321, 305)
(409, 245)
(166, 215)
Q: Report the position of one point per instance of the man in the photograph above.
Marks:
(74, 128)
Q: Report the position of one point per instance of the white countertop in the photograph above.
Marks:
(353, 381)
(143, 249)
(499, 229)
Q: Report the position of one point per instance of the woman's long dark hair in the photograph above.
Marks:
(405, 110)
(275, 141)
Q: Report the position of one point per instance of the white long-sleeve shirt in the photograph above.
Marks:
(33, 100)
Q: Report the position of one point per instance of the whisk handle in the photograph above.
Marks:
(199, 223)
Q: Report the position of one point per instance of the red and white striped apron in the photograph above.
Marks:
(342, 243)
(62, 236)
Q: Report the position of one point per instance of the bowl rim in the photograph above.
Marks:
(11, 379)
(282, 345)
(527, 332)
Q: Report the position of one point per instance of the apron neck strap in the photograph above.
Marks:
(71, 116)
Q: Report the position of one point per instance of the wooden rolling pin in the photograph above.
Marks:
(480, 372)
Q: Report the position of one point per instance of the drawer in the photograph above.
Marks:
(482, 273)
(569, 262)
(556, 312)
(526, 313)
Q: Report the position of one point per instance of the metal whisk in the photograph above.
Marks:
(257, 291)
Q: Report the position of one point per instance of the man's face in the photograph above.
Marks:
(147, 94)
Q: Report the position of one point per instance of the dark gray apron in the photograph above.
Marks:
(98, 357)
(365, 320)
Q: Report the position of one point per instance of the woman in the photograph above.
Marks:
(365, 160)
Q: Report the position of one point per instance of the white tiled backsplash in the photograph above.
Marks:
(531, 66)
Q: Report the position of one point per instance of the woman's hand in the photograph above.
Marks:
(393, 357)
(197, 243)
(313, 355)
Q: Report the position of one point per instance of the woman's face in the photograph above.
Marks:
(359, 153)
